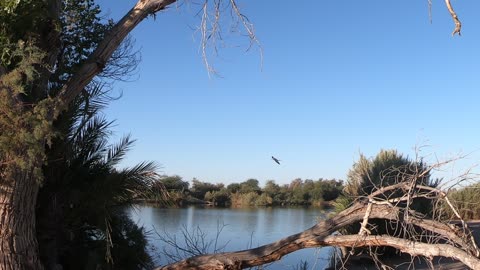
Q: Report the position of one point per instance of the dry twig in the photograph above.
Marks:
(458, 24)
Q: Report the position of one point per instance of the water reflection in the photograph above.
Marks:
(243, 228)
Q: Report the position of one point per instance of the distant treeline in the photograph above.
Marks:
(247, 193)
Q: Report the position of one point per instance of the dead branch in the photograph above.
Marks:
(458, 24)
(411, 247)
(211, 29)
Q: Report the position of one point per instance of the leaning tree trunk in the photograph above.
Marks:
(18, 242)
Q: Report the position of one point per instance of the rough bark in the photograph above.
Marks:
(321, 235)
(411, 247)
(18, 242)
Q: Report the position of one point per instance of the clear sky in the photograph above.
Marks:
(338, 78)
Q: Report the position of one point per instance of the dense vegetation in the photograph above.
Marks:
(249, 192)
(368, 175)
(467, 200)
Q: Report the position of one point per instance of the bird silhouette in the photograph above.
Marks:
(276, 160)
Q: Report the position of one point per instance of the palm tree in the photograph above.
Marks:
(81, 215)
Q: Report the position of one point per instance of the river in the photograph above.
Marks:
(239, 228)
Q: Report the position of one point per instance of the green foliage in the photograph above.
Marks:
(271, 188)
(388, 167)
(244, 199)
(82, 30)
(90, 194)
(341, 203)
(248, 193)
(199, 188)
(233, 188)
(250, 199)
(9, 6)
(263, 200)
(24, 132)
(466, 200)
(219, 198)
(173, 183)
(251, 185)
(19, 21)
(88, 249)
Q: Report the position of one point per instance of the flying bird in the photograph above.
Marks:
(276, 160)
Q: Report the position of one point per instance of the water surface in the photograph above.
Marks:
(240, 229)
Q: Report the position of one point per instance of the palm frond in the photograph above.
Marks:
(93, 99)
(90, 144)
(138, 180)
(118, 151)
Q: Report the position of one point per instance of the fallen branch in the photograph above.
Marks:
(411, 247)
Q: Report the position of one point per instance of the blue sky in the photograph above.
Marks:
(338, 78)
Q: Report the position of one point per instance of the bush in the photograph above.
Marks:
(246, 199)
(467, 202)
(387, 168)
(219, 198)
(263, 200)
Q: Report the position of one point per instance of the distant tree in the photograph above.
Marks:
(298, 182)
(251, 185)
(199, 188)
(326, 190)
(174, 183)
(233, 187)
(218, 198)
(271, 188)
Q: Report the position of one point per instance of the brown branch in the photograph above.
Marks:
(458, 24)
(363, 227)
(411, 247)
(440, 193)
(98, 59)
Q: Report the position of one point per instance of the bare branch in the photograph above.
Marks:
(458, 24)
(210, 30)
(411, 247)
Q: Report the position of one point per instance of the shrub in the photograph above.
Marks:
(387, 168)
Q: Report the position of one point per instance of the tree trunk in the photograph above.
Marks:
(18, 242)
